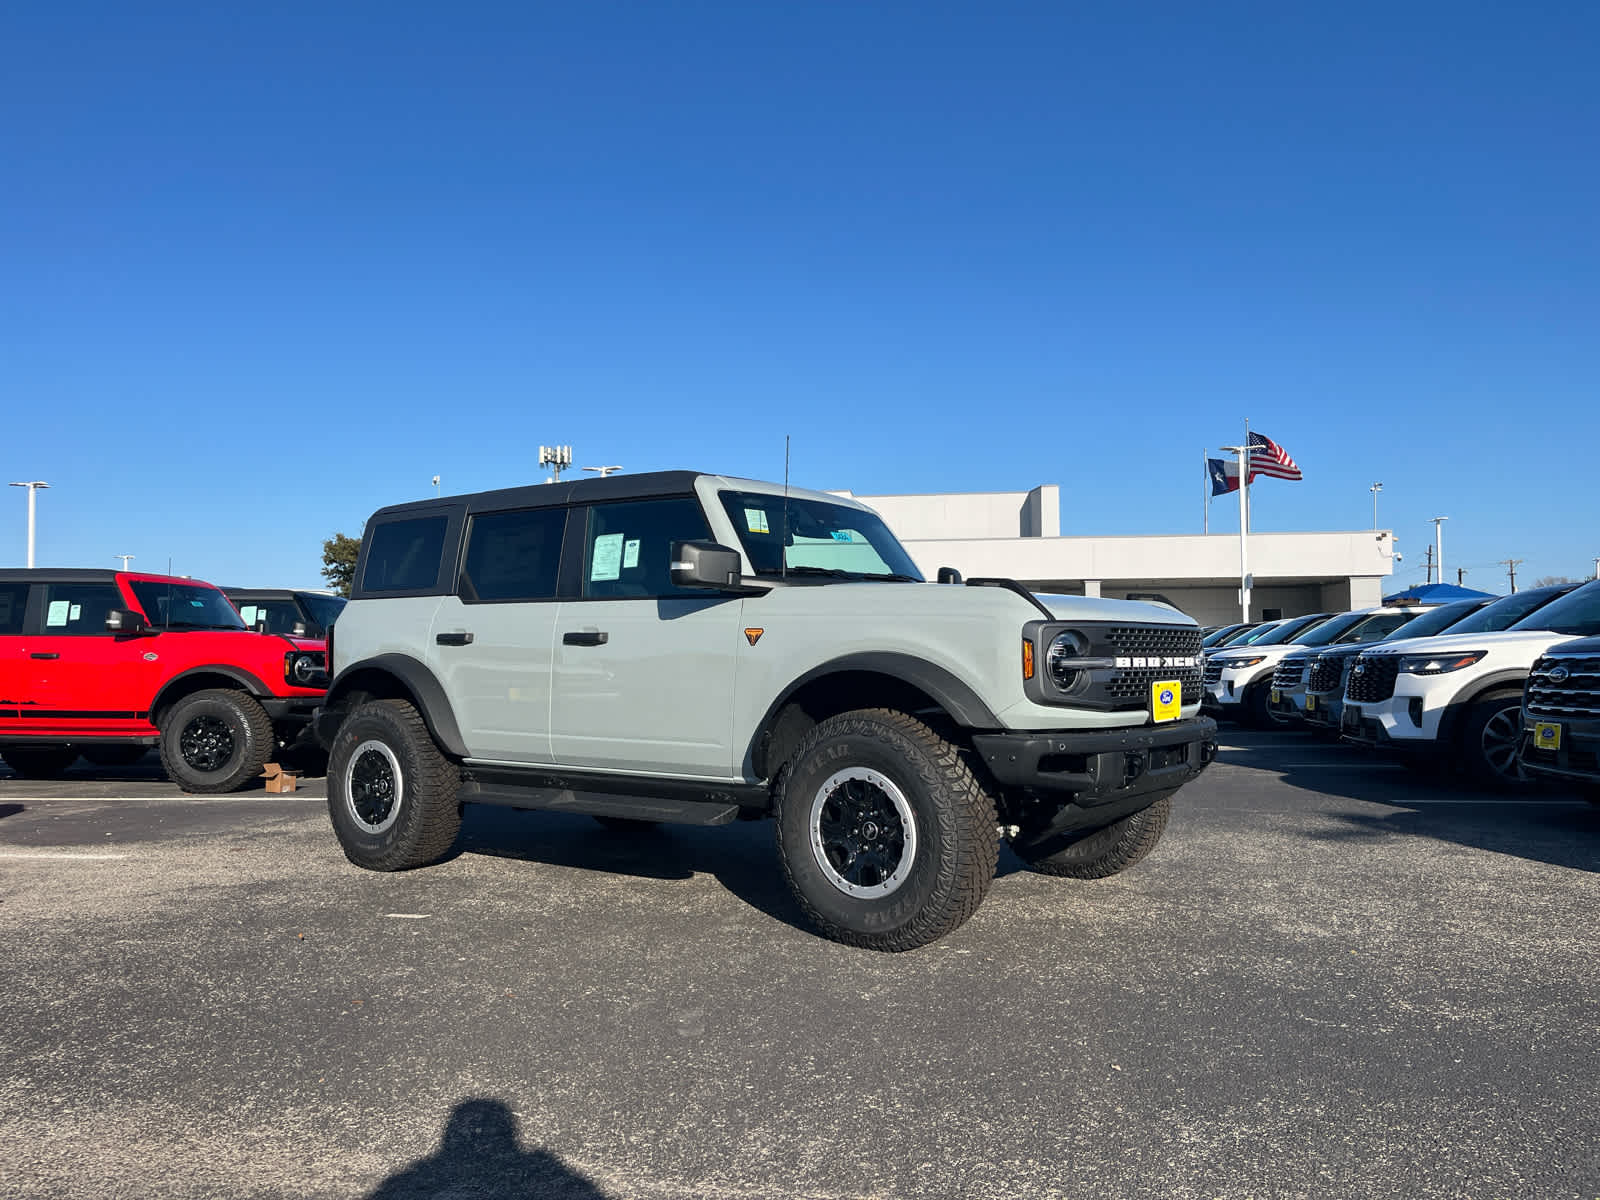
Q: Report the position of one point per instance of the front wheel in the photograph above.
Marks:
(391, 792)
(215, 741)
(1106, 851)
(886, 836)
(1488, 744)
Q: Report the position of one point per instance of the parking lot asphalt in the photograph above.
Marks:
(1331, 978)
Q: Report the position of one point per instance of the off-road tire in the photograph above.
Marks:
(1482, 740)
(947, 857)
(192, 764)
(1106, 851)
(39, 762)
(415, 821)
(115, 756)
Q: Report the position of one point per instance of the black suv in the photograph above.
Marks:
(286, 611)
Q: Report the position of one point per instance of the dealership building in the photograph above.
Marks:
(1018, 534)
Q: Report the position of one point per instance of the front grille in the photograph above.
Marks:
(1372, 678)
(1291, 673)
(1129, 686)
(1213, 672)
(1326, 673)
(1576, 697)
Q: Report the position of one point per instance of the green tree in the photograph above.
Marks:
(339, 562)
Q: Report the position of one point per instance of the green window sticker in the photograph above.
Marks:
(606, 560)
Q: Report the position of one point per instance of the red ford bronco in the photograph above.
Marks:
(105, 664)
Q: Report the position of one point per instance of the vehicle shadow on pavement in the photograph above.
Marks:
(10, 810)
(481, 1154)
(741, 856)
(1548, 824)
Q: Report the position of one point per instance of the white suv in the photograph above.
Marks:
(1459, 696)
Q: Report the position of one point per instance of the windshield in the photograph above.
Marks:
(1226, 633)
(1290, 631)
(806, 537)
(324, 610)
(1435, 620)
(1328, 632)
(1252, 634)
(1576, 613)
(1507, 611)
(184, 605)
(1375, 628)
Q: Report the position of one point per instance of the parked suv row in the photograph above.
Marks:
(1561, 715)
(105, 664)
(695, 648)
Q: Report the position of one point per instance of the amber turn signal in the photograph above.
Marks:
(1027, 658)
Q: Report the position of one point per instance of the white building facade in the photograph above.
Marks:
(1018, 535)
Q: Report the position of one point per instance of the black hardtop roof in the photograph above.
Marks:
(85, 575)
(549, 495)
(251, 593)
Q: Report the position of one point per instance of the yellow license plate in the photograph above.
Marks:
(1547, 736)
(1276, 695)
(1311, 703)
(1166, 700)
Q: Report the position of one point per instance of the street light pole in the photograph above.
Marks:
(1438, 542)
(1375, 489)
(126, 559)
(33, 486)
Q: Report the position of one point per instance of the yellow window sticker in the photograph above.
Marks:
(1547, 736)
(1166, 700)
(755, 520)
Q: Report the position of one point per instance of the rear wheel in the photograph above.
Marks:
(1487, 743)
(215, 741)
(1257, 708)
(886, 836)
(1103, 852)
(39, 762)
(391, 792)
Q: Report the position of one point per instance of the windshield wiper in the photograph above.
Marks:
(859, 576)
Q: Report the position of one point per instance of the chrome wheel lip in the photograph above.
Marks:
(908, 828)
(396, 778)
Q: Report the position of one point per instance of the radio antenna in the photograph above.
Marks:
(783, 541)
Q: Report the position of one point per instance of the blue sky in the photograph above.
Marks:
(268, 269)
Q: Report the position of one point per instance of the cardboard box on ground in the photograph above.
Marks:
(278, 780)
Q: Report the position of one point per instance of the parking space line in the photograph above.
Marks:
(63, 855)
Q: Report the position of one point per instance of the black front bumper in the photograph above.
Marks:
(1577, 758)
(1102, 765)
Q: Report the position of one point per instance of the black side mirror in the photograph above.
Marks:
(299, 629)
(949, 575)
(709, 565)
(126, 621)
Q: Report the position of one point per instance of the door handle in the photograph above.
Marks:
(585, 637)
(453, 639)
(44, 656)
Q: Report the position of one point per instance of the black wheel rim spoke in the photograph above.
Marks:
(206, 743)
(861, 833)
(372, 790)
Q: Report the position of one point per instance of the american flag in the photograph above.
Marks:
(1269, 458)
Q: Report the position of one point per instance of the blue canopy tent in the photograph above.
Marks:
(1436, 593)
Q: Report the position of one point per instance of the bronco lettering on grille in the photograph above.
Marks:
(1156, 660)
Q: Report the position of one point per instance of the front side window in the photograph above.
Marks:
(514, 555)
(79, 609)
(628, 548)
(13, 603)
(272, 616)
(403, 556)
(805, 537)
(184, 606)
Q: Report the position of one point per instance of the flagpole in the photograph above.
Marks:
(1244, 478)
(1205, 488)
(1244, 552)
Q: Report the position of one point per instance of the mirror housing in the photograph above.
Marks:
(299, 629)
(709, 565)
(126, 622)
(949, 575)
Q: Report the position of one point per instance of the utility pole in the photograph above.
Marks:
(1427, 552)
(1438, 538)
(1511, 565)
(33, 486)
(1461, 576)
(1375, 489)
(126, 559)
(557, 458)
(1597, 567)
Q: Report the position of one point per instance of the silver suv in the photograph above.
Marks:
(694, 648)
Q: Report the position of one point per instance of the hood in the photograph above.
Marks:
(1529, 639)
(1094, 608)
(304, 643)
(1580, 648)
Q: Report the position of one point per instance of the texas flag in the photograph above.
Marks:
(1224, 474)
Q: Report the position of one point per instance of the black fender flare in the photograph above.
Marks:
(246, 681)
(941, 685)
(425, 689)
(1455, 712)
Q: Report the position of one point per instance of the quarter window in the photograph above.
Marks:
(79, 609)
(403, 556)
(628, 550)
(13, 602)
(514, 555)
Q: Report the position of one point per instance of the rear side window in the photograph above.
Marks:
(79, 609)
(403, 556)
(13, 601)
(628, 550)
(514, 555)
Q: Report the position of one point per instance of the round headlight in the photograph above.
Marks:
(304, 669)
(1058, 660)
